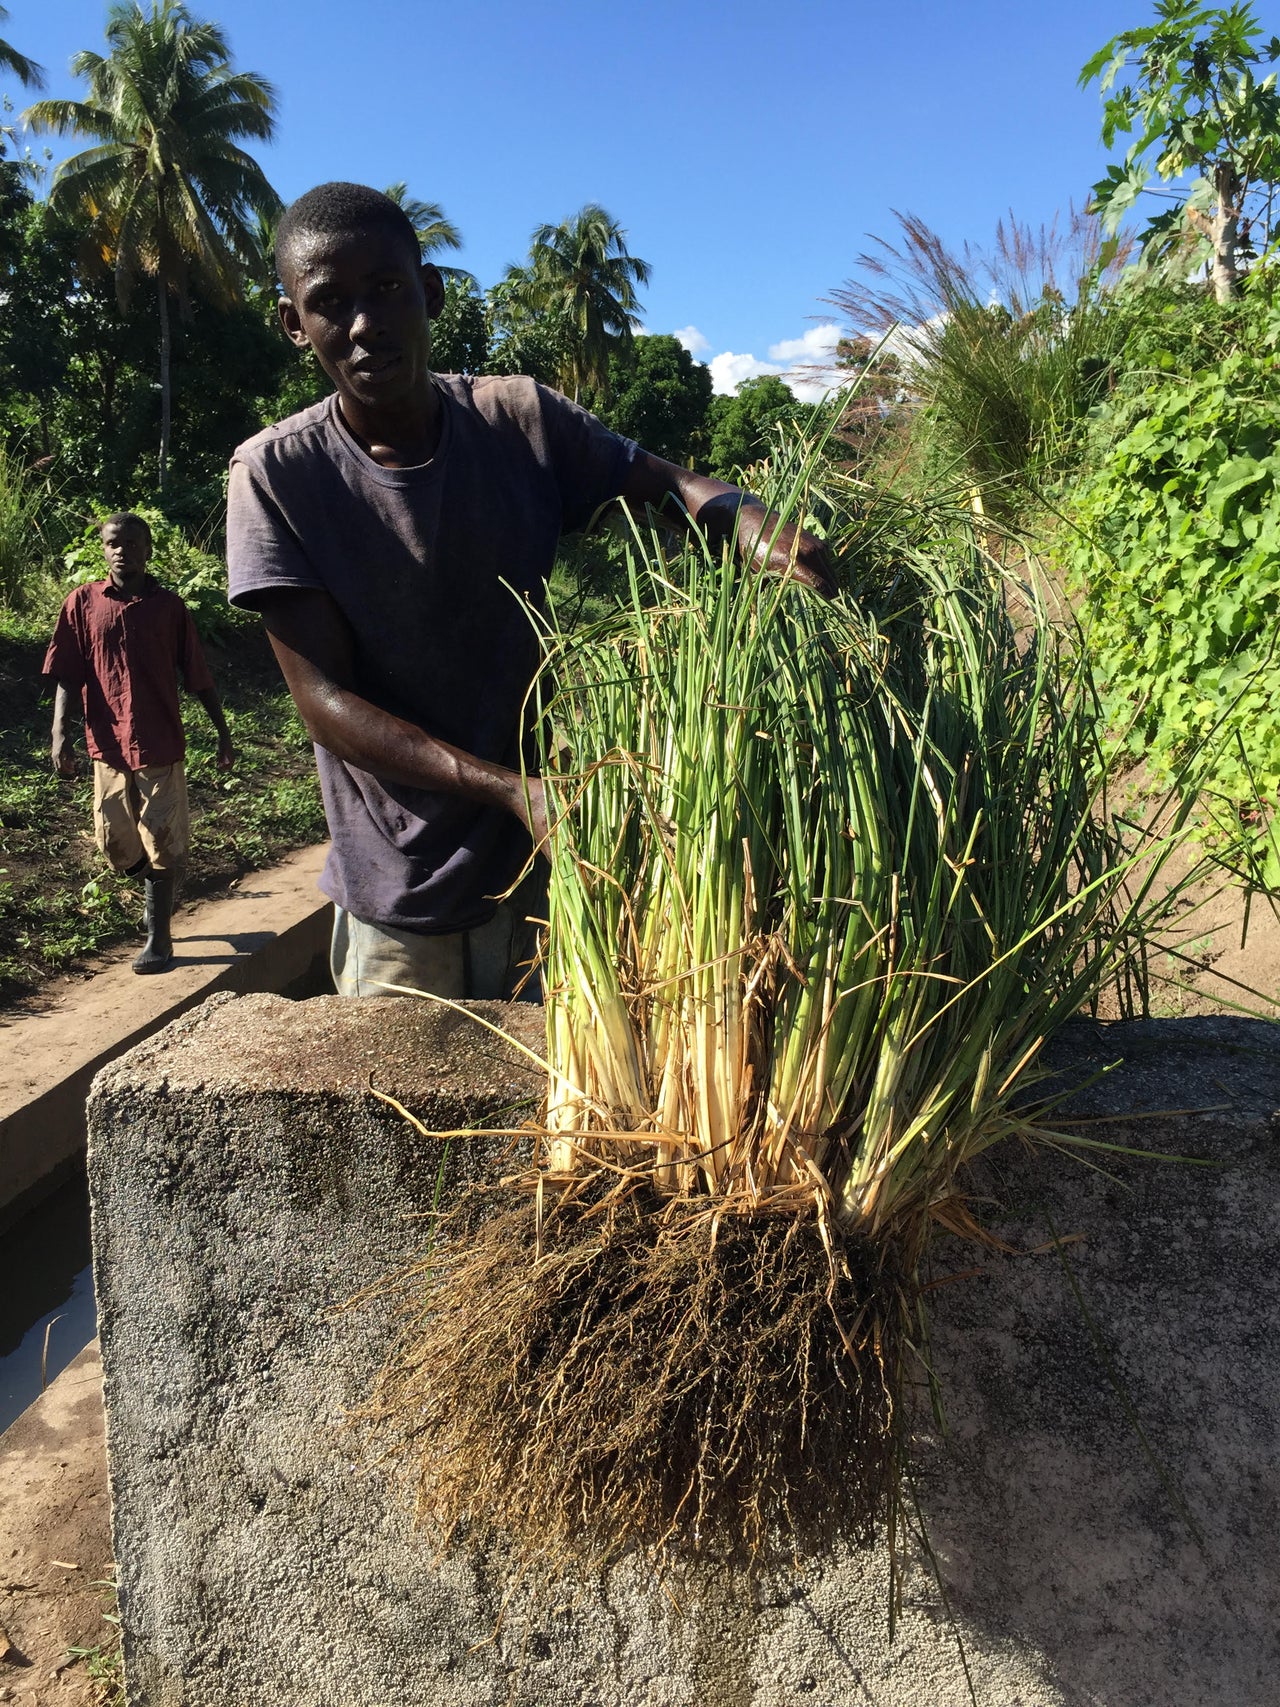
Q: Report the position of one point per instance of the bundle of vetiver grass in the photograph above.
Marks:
(822, 883)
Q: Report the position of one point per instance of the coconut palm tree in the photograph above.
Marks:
(434, 231)
(31, 76)
(28, 73)
(580, 272)
(168, 194)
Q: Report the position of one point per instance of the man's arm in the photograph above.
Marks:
(724, 512)
(208, 698)
(189, 658)
(63, 752)
(312, 643)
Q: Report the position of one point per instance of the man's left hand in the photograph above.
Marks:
(785, 550)
(226, 754)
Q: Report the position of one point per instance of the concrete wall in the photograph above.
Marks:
(246, 1183)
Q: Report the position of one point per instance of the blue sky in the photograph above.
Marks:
(749, 150)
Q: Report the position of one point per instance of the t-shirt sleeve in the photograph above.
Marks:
(591, 463)
(264, 554)
(65, 661)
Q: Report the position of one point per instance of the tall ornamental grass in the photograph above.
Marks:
(825, 876)
(1003, 354)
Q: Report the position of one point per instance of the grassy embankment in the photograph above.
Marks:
(1122, 430)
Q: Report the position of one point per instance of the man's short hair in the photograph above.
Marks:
(336, 208)
(125, 519)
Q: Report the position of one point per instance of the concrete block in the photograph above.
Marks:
(246, 1183)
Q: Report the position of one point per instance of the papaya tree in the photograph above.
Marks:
(1193, 92)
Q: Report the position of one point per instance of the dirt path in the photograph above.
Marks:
(55, 1543)
(1221, 952)
(1234, 955)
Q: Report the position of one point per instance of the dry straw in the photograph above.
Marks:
(825, 877)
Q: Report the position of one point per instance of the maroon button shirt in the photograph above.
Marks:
(123, 653)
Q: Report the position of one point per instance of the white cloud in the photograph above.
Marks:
(806, 364)
(692, 340)
(729, 370)
(907, 342)
(818, 344)
(809, 361)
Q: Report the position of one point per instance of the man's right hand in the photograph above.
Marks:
(64, 756)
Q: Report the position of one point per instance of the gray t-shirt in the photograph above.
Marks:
(430, 566)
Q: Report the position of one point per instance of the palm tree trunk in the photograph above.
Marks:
(165, 384)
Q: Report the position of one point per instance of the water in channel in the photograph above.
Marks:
(46, 1283)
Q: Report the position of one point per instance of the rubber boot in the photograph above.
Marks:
(157, 953)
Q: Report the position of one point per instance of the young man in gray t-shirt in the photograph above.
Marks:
(388, 536)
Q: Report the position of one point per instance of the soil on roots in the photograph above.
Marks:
(627, 1373)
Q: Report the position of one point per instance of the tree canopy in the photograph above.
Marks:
(460, 336)
(742, 426)
(659, 396)
(168, 197)
(434, 231)
(28, 73)
(168, 193)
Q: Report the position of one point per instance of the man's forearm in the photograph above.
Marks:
(311, 641)
(60, 747)
(393, 750)
(213, 706)
(728, 515)
(61, 705)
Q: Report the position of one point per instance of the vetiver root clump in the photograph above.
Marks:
(825, 875)
(627, 1371)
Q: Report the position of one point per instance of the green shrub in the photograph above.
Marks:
(1178, 551)
(24, 556)
(198, 577)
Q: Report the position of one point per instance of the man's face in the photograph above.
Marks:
(364, 304)
(127, 551)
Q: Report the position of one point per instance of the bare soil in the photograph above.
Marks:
(1219, 952)
(55, 1545)
(1225, 958)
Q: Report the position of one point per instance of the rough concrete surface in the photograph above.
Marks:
(55, 1545)
(1100, 1522)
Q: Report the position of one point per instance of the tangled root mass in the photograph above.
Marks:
(626, 1373)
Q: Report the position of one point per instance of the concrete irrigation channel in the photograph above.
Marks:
(270, 933)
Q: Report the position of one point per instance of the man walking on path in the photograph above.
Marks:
(389, 536)
(119, 644)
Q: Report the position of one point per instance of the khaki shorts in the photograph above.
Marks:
(141, 815)
(493, 962)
